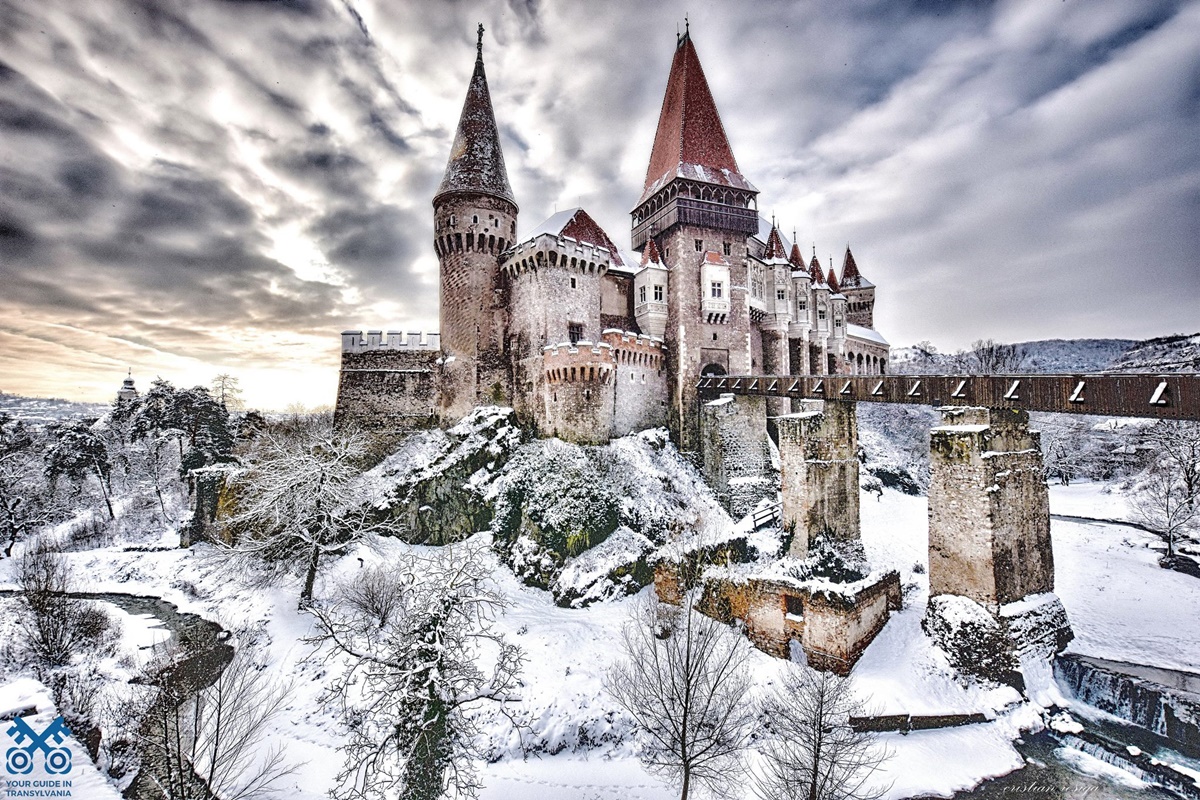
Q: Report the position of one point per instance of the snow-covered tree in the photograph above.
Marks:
(77, 453)
(227, 391)
(683, 679)
(1161, 501)
(418, 640)
(302, 497)
(26, 500)
(812, 752)
(989, 357)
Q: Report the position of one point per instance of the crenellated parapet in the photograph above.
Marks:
(580, 362)
(635, 348)
(561, 252)
(357, 342)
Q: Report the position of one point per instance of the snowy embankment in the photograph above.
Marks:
(1121, 605)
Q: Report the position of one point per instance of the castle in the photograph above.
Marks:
(586, 340)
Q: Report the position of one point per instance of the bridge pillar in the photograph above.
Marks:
(777, 360)
(818, 456)
(991, 567)
(736, 453)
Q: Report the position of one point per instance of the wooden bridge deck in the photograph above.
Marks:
(1175, 396)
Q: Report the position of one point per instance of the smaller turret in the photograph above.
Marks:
(128, 392)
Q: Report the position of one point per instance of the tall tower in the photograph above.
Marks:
(699, 210)
(860, 293)
(475, 220)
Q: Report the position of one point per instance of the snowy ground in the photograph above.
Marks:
(1121, 605)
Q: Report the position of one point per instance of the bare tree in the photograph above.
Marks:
(421, 651)
(1161, 501)
(684, 681)
(227, 391)
(1177, 445)
(200, 744)
(301, 498)
(812, 751)
(989, 357)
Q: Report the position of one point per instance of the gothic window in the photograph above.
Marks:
(658, 293)
(728, 248)
(781, 294)
(718, 289)
(699, 245)
(574, 331)
(642, 295)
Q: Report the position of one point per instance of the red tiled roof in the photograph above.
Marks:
(814, 269)
(651, 255)
(690, 141)
(774, 246)
(851, 277)
(832, 280)
(795, 259)
(476, 162)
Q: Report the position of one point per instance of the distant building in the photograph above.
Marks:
(128, 392)
(586, 340)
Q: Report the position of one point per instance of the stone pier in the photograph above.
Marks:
(736, 452)
(991, 567)
(818, 454)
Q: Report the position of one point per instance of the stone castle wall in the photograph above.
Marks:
(578, 399)
(818, 458)
(640, 400)
(388, 383)
(736, 453)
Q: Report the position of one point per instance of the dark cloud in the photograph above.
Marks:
(181, 183)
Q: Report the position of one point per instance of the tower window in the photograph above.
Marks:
(714, 337)
(781, 294)
(718, 289)
(574, 331)
(453, 221)
(474, 219)
(728, 248)
(642, 295)
(699, 245)
(658, 294)
(821, 314)
(573, 283)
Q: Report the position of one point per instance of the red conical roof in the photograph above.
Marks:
(832, 280)
(690, 141)
(851, 277)
(774, 246)
(651, 255)
(814, 269)
(476, 164)
(795, 259)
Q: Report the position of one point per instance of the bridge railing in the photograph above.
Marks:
(1174, 396)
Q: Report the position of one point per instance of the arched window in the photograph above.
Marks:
(712, 369)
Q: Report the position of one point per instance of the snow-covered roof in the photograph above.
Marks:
(577, 224)
(764, 233)
(867, 334)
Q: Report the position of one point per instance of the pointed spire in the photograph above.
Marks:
(690, 141)
(832, 280)
(795, 258)
(851, 277)
(774, 245)
(814, 269)
(651, 255)
(476, 162)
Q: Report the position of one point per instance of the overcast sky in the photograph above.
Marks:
(198, 186)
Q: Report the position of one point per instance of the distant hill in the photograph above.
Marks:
(1164, 354)
(41, 410)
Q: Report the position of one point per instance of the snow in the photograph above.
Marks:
(866, 334)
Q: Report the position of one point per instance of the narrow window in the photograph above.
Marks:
(572, 283)
(453, 220)
(718, 289)
(714, 337)
(474, 219)
(658, 293)
(574, 331)
(642, 295)
(821, 314)
(699, 245)
(728, 248)
(781, 294)
(794, 606)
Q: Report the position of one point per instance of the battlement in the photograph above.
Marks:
(582, 361)
(564, 252)
(635, 348)
(356, 342)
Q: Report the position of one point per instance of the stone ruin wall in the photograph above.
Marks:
(736, 453)
(388, 384)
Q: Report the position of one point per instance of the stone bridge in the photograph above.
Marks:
(989, 513)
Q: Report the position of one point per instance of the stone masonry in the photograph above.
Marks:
(736, 453)
(989, 517)
(818, 455)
